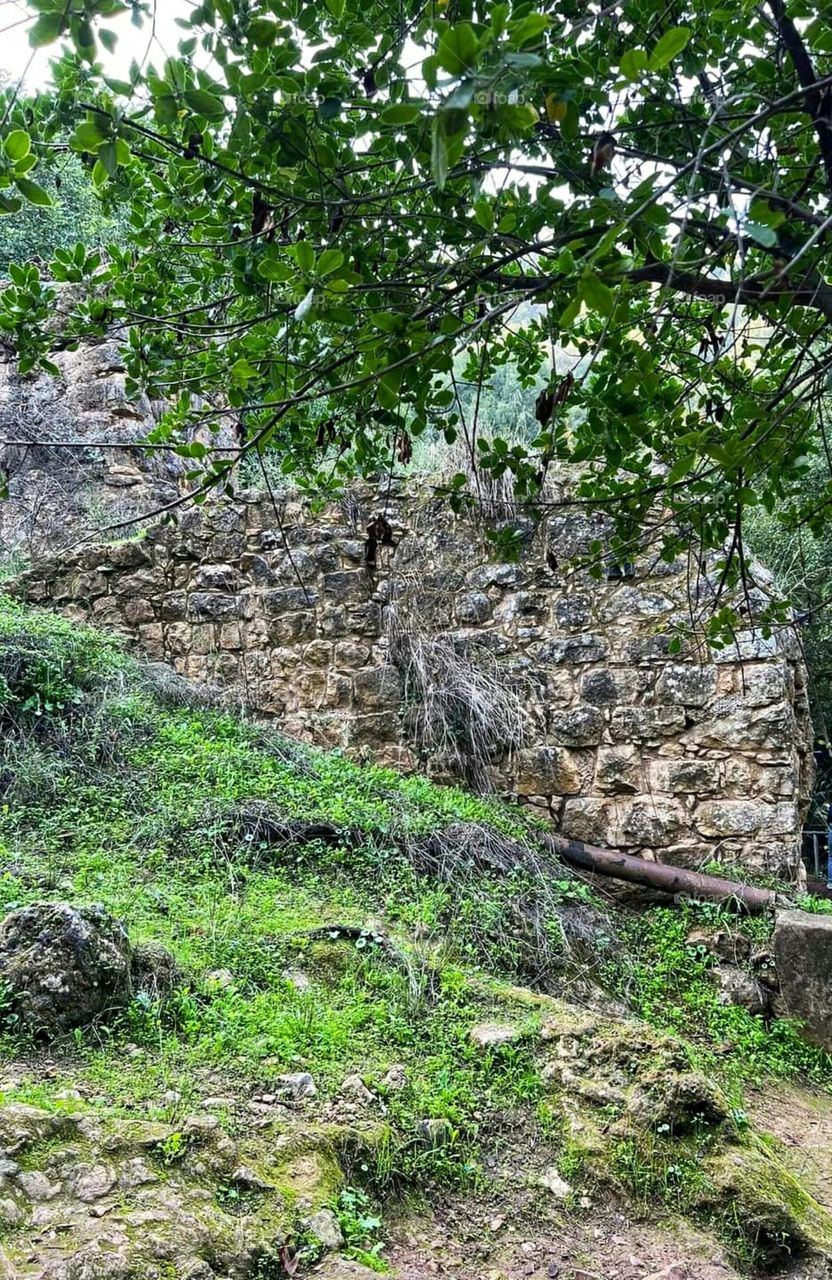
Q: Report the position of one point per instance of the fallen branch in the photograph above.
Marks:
(660, 875)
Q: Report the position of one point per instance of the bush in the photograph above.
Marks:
(48, 663)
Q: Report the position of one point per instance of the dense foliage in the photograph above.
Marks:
(331, 201)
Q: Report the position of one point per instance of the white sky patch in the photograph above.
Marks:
(17, 58)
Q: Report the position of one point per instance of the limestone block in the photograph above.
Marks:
(589, 819)
(257, 569)
(378, 687)
(338, 691)
(292, 628)
(496, 575)
(280, 600)
(608, 686)
(572, 650)
(748, 646)
(643, 724)
(217, 577)
(377, 730)
(618, 769)
(546, 771)
(350, 654)
(764, 683)
(136, 611)
(318, 654)
(472, 607)
(573, 612)
(634, 602)
(579, 726)
(685, 776)
(803, 959)
(647, 821)
(686, 684)
(346, 587)
(768, 727)
(744, 817)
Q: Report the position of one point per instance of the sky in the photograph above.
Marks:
(16, 52)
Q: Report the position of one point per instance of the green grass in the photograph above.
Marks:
(668, 982)
(113, 794)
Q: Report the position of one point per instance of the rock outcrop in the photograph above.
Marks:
(62, 966)
(803, 960)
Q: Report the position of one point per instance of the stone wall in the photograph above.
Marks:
(688, 756)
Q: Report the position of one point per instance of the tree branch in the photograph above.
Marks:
(799, 54)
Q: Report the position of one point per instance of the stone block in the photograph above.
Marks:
(686, 684)
(618, 769)
(644, 724)
(217, 577)
(545, 771)
(214, 606)
(579, 726)
(377, 688)
(472, 607)
(287, 600)
(292, 629)
(802, 947)
(685, 777)
(350, 654)
(744, 818)
(569, 650)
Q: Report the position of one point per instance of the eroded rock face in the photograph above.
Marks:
(803, 959)
(64, 966)
(93, 1197)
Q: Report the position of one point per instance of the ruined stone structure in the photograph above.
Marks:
(689, 756)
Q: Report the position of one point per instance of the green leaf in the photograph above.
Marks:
(671, 44)
(336, 8)
(205, 104)
(87, 136)
(109, 39)
(439, 151)
(596, 294)
(48, 27)
(108, 157)
(633, 63)
(401, 113)
(457, 48)
(764, 235)
(34, 193)
(329, 261)
(528, 28)
(484, 213)
(304, 255)
(304, 308)
(570, 313)
(17, 144)
(277, 272)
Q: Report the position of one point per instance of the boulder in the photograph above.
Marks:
(802, 946)
(64, 966)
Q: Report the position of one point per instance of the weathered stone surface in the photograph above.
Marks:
(64, 966)
(686, 684)
(547, 771)
(598, 708)
(802, 948)
(619, 769)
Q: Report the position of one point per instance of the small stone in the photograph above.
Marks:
(36, 1186)
(10, 1213)
(434, 1131)
(675, 1271)
(69, 1095)
(327, 1228)
(170, 1097)
(220, 978)
(552, 1181)
(298, 979)
(490, 1035)
(355, 1087)
(395, 1079)
(93, 1182)
(496, 1223)
(245, 1177)
(297, 1085)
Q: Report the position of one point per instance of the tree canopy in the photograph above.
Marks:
(329, 201)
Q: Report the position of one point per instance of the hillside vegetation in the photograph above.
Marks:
(355, 988)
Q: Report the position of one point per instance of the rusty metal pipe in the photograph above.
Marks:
(660, 875)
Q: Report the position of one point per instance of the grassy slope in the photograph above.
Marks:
(116, 794)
